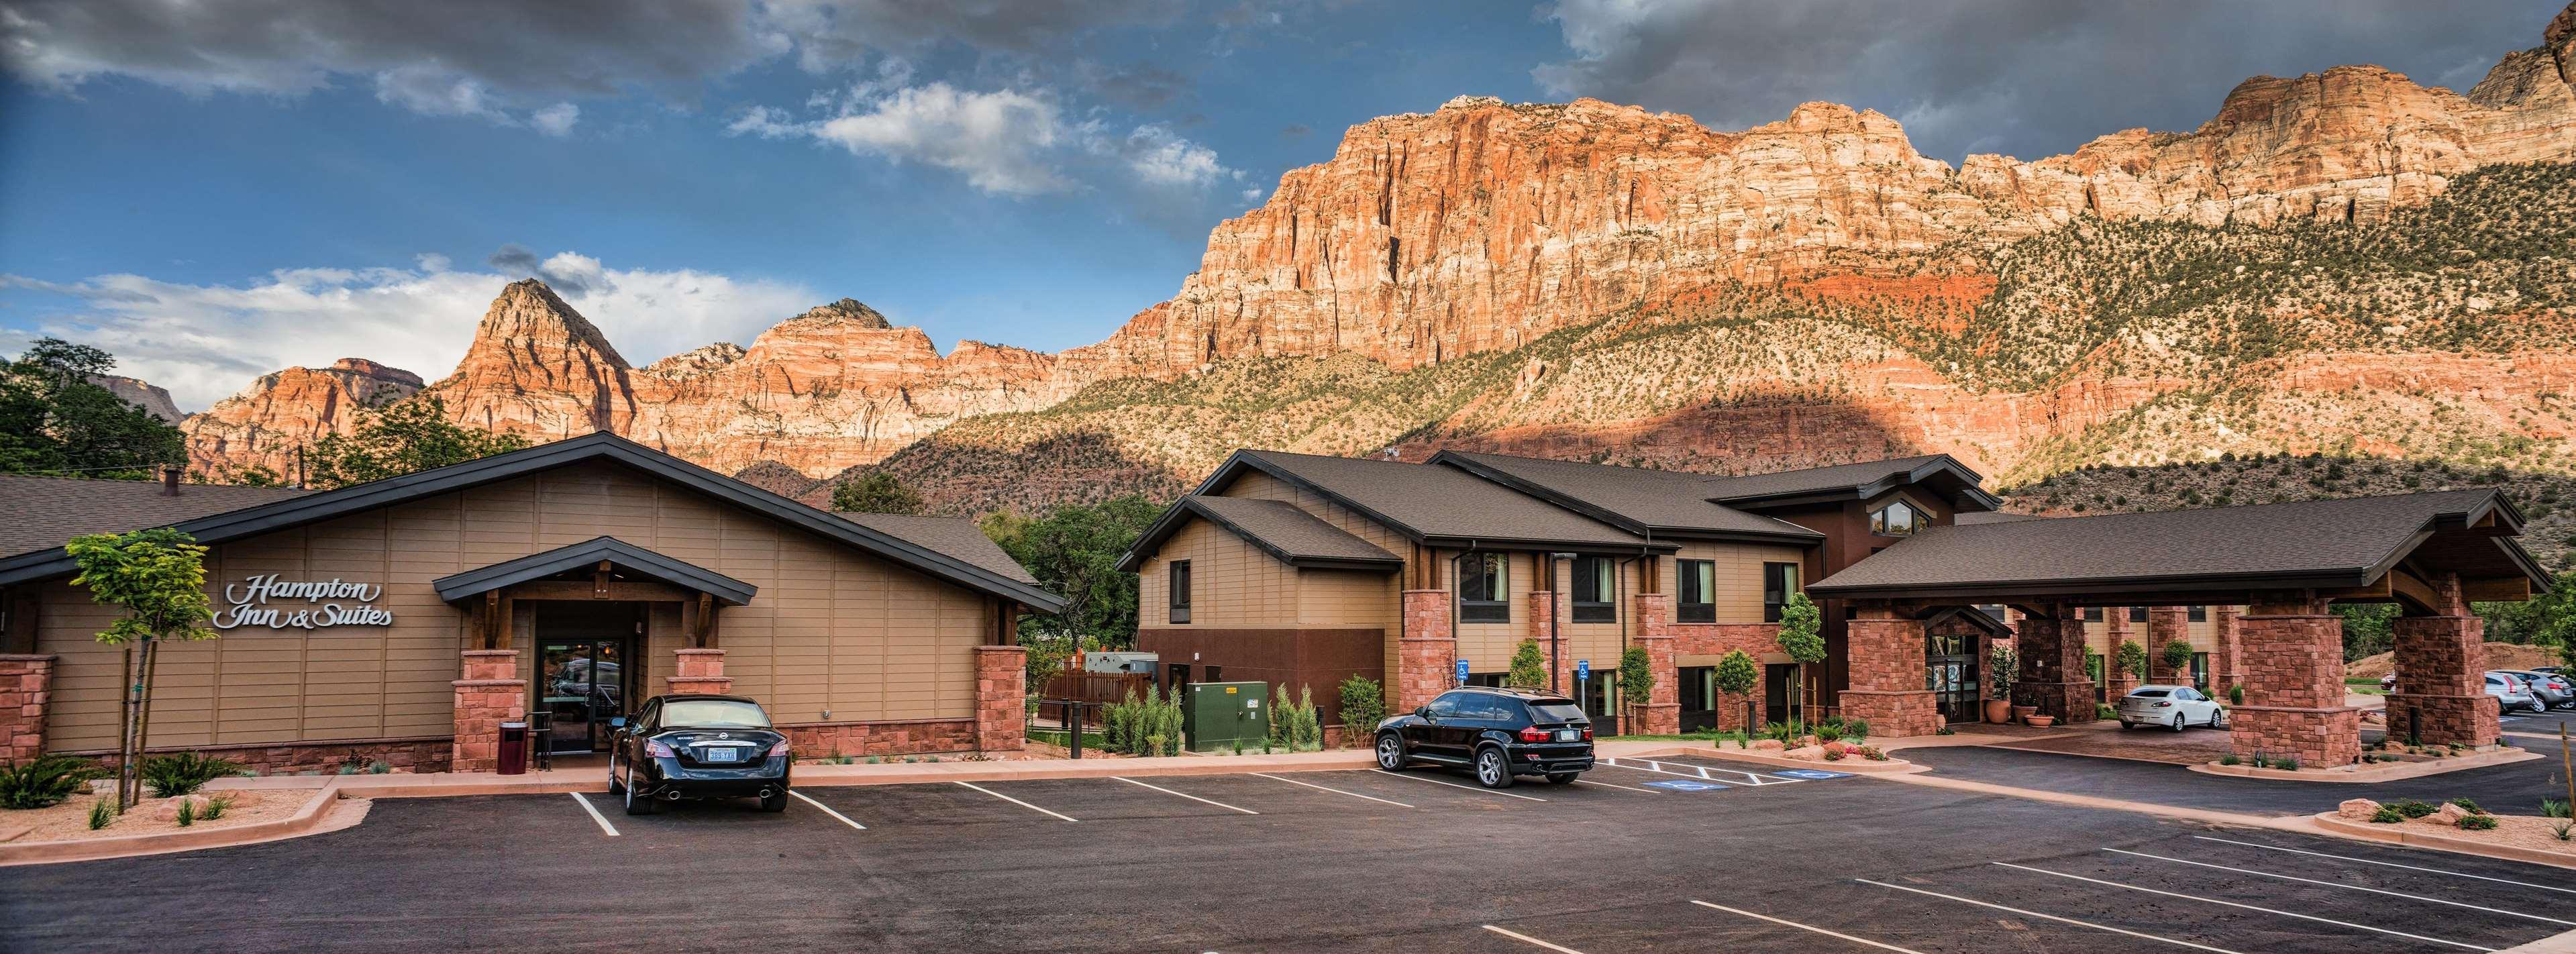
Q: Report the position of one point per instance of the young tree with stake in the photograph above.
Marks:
(1802, 637)
(158, 577)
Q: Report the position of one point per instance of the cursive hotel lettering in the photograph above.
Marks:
(349, 604)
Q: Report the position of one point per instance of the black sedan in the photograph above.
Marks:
(697, 747)
(1501, 733)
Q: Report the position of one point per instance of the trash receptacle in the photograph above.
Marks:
(514, 748)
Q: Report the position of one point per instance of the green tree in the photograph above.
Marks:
(1636, 676)
(2546, 619)
(2178, 658)
(158, 577)
(878, 492)
(1736, 675)
(2368, 628)
(2133, 659)
(54, 417)
(1073, 551)
(1802, 637)
(1529, 666)
(403, 437)
(1363, 707)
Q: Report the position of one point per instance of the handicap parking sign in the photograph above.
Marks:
(1462, 672)
(1811, 773)
(1685, 785)
(1583, 669)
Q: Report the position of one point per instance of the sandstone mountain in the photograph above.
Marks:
(2344, 261)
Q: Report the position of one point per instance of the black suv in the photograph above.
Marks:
(1501, 733)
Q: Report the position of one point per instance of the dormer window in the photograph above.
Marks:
(1897, 519)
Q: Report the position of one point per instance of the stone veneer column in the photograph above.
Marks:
(1001, 698)
(2116, 681)
(2167, 624)
(1546, 622)
(2052, 674)
(2226, 662)
(700, 670)
(26, 687)
(491, 693)
(1662, 712)
(2294, 687)
(1885, 654)
(2441, 666)
(1426, 658)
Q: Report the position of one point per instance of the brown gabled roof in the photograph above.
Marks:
(1641, 500)
(40, 513)
(1291, 534)
(1863, 479)
(1992, 516)
(1432, 503)
(2320, 543)
(957, 537)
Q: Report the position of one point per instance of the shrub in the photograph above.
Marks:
(2411, 808)
(380, 767)
(100, 815)
(2478, 822)
(2236, 695)
(2561, 829)
(2286, 764)
(187, 812)
(1529, 666)
(215, 807)
(1283, 717)
(2387, 815)
(1874, 753)
(2229, 759)
(1363, 707)
(2553, 808)
(1827, 732)
(2105, 711)
(45, 780)
(1855, 729)
(1305, 728)
(2472, 806)
(170, 776)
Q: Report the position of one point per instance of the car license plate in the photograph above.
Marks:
(1569, 735)
(722, 754)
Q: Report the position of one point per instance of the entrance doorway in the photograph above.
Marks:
(1597, 693)
(1950, 671)
(1698, 685)
(584, 656)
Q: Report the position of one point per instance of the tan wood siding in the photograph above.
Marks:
(1353, 598)
(1739, 575)
(1233, 584)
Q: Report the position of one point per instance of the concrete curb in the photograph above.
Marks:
(2088, 801)
(307, 819)
(2400, 834)
(2381, 772)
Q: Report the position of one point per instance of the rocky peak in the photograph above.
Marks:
(528, 317)
(381, 372)
(694, 363)
(847, 311)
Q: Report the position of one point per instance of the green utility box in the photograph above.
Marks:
(1216, 715)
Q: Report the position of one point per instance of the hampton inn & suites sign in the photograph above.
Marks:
(325, 603)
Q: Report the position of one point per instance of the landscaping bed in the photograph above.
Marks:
(2463, 824)
(71, 820)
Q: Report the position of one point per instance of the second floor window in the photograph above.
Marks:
(2137, 614)
(2198, 614)
(1594, 588)
(1180, 591)
(1897, 519)
(1697, 601)
(1779, 580)
(1484, 588)
(2092, 614)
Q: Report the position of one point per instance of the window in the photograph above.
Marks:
(1897, 519)
(1778, 581)
(2200, 614)
(1180, 591)
(1594, 586)
(715, 714)
(2200, 669)
(1697, 602)
(2137, 614)
(2092, 614)
(1448, 704)
(1489, 680)
(1485, 588)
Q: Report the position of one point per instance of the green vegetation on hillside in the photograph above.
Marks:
(53, 420)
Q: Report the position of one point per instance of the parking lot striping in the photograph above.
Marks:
(2052, 917)
(1186, 795)
(594, 814)
(1624, 788)
(2392, 864)
(1471, 788)
(2248, 907)
(1701, 772)
(1806, 927)
(827, 809)
(1336, 791)
(1517, 936)
(1017, 802)
(2349, 887)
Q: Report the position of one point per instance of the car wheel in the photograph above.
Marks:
(640, 804)
(2218, 718)
(775, 802)
(1562, 778)
(1492, 770)
(615, 787)
(2177, 726)
(1390, 752)
(2126, 724)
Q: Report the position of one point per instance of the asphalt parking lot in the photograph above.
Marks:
(2516, 788)
(1681, 854)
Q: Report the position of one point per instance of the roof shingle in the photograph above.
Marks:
(1660, 499)
(957, 537)
(1443, 502)
(1285, 530)
(41, 513)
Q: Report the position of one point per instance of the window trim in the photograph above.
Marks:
(1177, 578)
(1605, 572)
(1488, 610)
(1685, 611)
(1791, 585)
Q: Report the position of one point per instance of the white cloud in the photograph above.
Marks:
(1160, 158)
(205, 342)
(1000, 140)
(555, 120)
(768, 123)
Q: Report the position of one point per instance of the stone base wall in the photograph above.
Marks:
(1001, 698)
(26, 688)
(700, 670)
(491, 693)
(1427, 653)
(2294, 691)
(1718, 639)
(2444, 720)
(1893, 714)
(425, 754)
(2318, 738)
(823, 740)
(2069, 702)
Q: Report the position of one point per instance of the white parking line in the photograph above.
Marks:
(1735, 776)
(2248, 907)
(1803, 927)
(1517, 936)
(2391, 864)
(1624, 788)
(827, 809)
(1471, 788)
(2052, 917)
(1018, 802)
(1335, 791)
(1186, 795)
(594, 814)
(2348, 887)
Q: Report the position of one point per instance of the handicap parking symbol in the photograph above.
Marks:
(1811, 773)
(1685, 785)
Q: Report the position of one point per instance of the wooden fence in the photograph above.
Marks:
(1091, 687)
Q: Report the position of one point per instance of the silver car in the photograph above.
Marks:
(2552, 689)
(2511, 693)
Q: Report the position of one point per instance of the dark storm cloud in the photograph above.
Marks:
(567, 275)
(2027, 78)
(1143, 86)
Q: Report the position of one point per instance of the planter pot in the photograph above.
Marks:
(1998, 710)
(2023, 713)
(2040, 721)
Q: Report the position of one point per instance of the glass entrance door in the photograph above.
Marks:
(585, 686)
(1950, 671)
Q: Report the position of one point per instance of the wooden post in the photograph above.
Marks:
(492, 619)
(599, 581)
(702, 633)
(507, 622)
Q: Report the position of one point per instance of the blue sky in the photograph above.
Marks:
(216, 194)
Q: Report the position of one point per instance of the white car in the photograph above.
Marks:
(2172, 707)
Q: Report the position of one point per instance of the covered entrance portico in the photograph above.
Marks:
(2288, 564)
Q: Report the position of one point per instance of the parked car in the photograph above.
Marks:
(1500, 733)
(697, 747)
(2511, 693)
(2388, 683)
(2554, 691)
(2172, 707)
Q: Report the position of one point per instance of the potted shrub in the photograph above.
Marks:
(2001, 663)
(2041, 720)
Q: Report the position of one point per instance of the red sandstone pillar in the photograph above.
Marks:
(26, 687)
(1547, 628)
(491, 693)
(1662, 712)
(2052, 674)
(2225, 660)
(2117, 680)
(1426, 653)
(1001, 698)
(700, 670)
(2165, 625)
(1885, 654)
(2441, 673)
(2294, 687)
